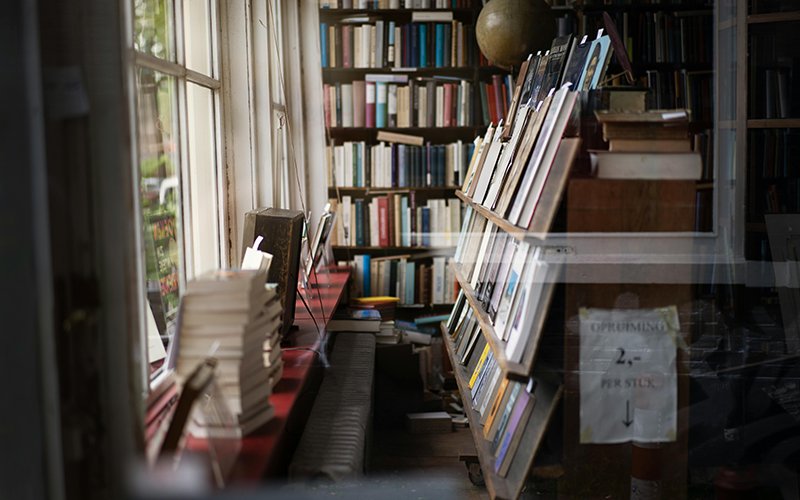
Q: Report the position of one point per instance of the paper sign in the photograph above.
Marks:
(628, 375)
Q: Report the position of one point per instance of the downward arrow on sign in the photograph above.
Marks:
(628, 420)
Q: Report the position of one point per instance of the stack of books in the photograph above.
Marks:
(652, 144)
(235, 317)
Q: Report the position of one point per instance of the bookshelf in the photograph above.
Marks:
(547, 394)
(769, 125)
(416, 74)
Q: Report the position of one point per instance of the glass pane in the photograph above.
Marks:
(197, 41)
(154, 28)
(160, 194)
(202, 178)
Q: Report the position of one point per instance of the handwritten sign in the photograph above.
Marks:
(628, 376)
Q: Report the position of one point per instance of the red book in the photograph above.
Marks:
(347, 46)
(383, 221)
(492, 103)
(390, 221)
(369, 119)
(448, 105)
(497, 85)
(326, 104)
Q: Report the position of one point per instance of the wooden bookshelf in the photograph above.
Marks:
(497, 345)
(547, 396)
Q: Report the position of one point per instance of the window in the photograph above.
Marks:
(179, 146)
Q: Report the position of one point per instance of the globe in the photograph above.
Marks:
(509, 30)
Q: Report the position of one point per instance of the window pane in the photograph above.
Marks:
(197, 41)
(202, 179)
(160, 194)
(154, 31)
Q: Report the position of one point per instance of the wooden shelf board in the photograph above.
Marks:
(547, 397)
(386, 190)
(407, 130)
(515, 231)
(653, 7)
(497, 345)
(469, 70)
(773, 123)
(774, 17)
(391, 249)
(352, 12)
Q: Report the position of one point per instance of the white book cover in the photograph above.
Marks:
(346, 219)
(338, 160)
(347, 105)
(438, 279)
(527, 309)
(374, 239)
(488, 235)
(505, 161)
(546, 162)
(538, 153)
(440, 111)
(510, 289)
(489, 166)
(463, 234)
(347, 166)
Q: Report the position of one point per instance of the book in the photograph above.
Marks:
(413, 140)
(355, 320)
(518, 420)
(633, 165)
(599, 55)
(429, 422)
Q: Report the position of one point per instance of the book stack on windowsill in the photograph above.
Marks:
(234, 316)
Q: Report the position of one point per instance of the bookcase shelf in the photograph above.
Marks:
(773, 17)
(337, 14)
(773, 123)
(547, 397)
(653, 7)
(377, 191)
(497, 345)
(390, 250)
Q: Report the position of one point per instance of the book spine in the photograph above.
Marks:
(380, 104)
(390, 44)
(359, 210)
(323, 42)
(383, 222)
(426, 226)
(326, 104)
(448, 104)
(338, 104)
(405, 221)
(401, 166)
(369, 108)
(440, 46)
(391, 106)
(347, 46)
(423, 45)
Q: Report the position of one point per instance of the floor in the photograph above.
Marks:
(429, 462)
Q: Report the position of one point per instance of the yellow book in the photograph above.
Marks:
(481, 362)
